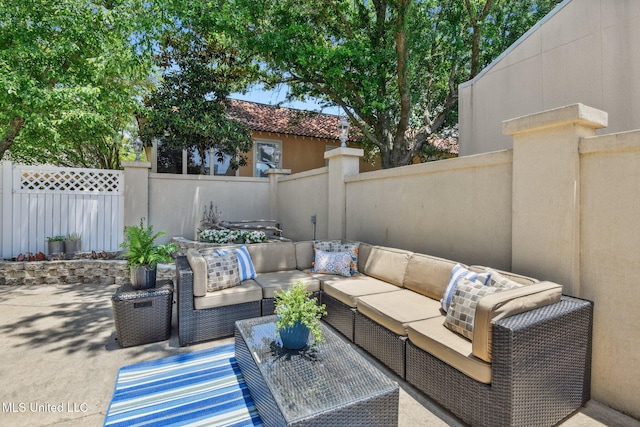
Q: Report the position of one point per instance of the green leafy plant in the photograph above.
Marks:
(139, 247)
(296, 304)
(55, 239)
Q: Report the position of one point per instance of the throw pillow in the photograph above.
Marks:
(245, 264)
(222, 271)
(324, 245)
(458, 272)
(332, 263)
(352, 248)
(461, 315)
(503, 283)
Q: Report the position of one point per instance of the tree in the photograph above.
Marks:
(392, 65)
(188, 110)
(71, 73)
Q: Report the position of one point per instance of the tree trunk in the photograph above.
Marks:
(15, 127)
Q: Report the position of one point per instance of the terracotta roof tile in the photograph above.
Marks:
(290, 121)
(270, 118)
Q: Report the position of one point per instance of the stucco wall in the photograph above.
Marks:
(610, 244)
(584, 51)
(300, 196)
(177, 202)
(457, 208)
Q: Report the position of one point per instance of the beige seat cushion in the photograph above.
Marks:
(387, 264)
(348, 289)
(279, 280)
(508, 303)
(428, 275)
(431, 336)
(247, 291)
(269, 257)
(394, 310)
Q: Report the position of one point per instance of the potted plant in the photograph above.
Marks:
(298, 315)
(55, 245)
(72, 243)
(143, 255)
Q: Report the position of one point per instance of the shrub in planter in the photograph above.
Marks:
(298, 315)
(55, 245)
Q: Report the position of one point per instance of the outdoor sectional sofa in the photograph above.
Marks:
(528, 362)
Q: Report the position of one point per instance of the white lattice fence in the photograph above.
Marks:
(43, 201)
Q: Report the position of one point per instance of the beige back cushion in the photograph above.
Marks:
(504, 304)
(199, 268)
(428, 275)
(523, 280)
(304, 254)
(364, 249)
(270, 257)
(387, 264)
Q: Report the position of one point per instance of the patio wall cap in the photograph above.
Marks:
(278, 172)
(579, 114)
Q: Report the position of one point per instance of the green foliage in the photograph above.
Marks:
(296, 305)
(394, 66)
(73, 237)
(56, 239)
(139, 247)
(71, 76)
(188, 110)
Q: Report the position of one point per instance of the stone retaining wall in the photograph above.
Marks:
(103, 272)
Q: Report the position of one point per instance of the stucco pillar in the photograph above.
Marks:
(274, 175)
(546, 192)
(136, 192)
(343, 161)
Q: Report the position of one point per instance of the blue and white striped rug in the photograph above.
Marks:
(203, 388)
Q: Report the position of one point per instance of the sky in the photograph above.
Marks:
(259, 95)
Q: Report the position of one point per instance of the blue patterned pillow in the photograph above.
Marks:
(352, 248)
(457, 273)
(247, 270)
(332, 263)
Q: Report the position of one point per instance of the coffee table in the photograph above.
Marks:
(328, 385)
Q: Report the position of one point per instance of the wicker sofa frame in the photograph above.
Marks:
(203, 325)
(541, 368)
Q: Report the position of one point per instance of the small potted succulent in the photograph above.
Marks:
(55, 245)
(72, 243)
(298, 315)
(143, 255)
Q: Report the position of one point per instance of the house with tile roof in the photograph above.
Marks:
(287, 138)
(283, 138)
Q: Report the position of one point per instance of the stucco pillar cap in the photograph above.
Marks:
(142, 165)
(344, 152)
(579, 114)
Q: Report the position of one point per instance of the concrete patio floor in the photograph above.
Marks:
(60, 358)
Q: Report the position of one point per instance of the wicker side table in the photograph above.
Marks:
(142, 316)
